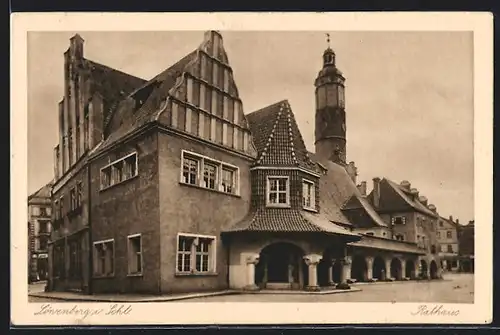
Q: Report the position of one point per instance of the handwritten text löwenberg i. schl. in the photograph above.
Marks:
(75, 310)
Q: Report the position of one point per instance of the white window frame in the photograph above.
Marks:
(268, 192)
(94, 255)
(403, 219)
(212, 254)
(129, 255)
(220, 166)
(121, 160)
(312, 205)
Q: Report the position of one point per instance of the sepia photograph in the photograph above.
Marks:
(291, 167)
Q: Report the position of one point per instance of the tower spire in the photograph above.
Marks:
(328, 40)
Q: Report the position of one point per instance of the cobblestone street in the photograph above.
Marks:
(456, 288)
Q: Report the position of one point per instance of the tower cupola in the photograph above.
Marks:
(330, 132)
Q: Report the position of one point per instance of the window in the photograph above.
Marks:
(135, 254)
(450, 248)
(36, 210)
(44, 211)
(202, 254)
(209, 175)
(216, 176)
(44, 242)
(43, 227)
(440, 223)
(277, 191)
(195, 254)
(184, 253)
(72, 196)
(438, 234)
(227, 180)
(308, 194)
(400, 237)
(119, 171)
(75, 259)
(398, 220)
(61, 208)
(104, 258)
(189, 171)
(79, 190)
(448, 234)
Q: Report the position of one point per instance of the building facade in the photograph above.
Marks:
(39, 227)
(466, 247)
(177, 189)
(447, 235)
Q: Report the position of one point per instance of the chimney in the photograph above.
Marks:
(362, 188)
(406, 184)
(423, 200)
(457, 222)
(352, 171)
(376, 192)
(451, 218)
(414, 192)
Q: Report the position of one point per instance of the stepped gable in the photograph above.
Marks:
(275, 220)
(277, 137)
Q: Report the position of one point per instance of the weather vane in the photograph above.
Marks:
(328, 39)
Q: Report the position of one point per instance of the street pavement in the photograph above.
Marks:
(456, 288)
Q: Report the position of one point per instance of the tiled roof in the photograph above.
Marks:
(335, 187)
(132, 118)
(43, 192)
(288, 220)
(414, 203)
(361, 202)
(112, 84)
(277, 137)
(373, 242)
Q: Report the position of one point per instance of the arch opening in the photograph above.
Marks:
(396, 269)
(359, 268)
(379, 271)
(410, 269)
(281, 266)
(434, 271)
(423, 269)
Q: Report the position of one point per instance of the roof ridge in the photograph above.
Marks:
(113, 69)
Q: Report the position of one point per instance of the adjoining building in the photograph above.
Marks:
(447, 235)
(39, 227)
(177, 189)
(466, 247)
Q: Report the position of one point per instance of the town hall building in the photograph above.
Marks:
(167, 185)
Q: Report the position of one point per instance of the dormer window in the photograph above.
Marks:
(397, 220)
(308, 195)
(278, 191)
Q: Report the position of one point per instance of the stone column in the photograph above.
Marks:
(251, 260)
(387, 268)
(369, 268)
(330, 272)
(402, 275)
(312, 261)
(346, 269)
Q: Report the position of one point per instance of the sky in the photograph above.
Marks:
(409, 96)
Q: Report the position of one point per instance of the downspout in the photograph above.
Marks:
(89, 211)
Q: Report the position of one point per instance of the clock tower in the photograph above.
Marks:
(330, 131)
